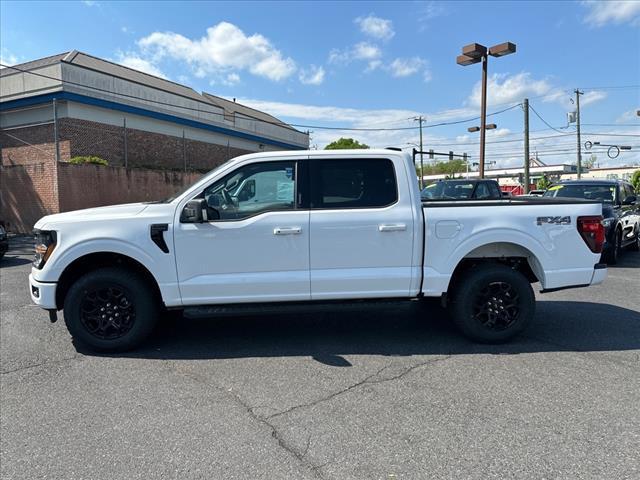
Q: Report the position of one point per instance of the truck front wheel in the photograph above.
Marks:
(110, 310)
(492, 303)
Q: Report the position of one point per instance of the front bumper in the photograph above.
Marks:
(43, 294)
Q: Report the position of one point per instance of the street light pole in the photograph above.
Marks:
(483, 112)
(475, 53)
(526, 146)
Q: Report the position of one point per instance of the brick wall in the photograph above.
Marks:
(27, 193)
(85, 186)
(144, 149)
(84, 138)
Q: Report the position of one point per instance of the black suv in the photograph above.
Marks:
(462, 190)
(620, 209)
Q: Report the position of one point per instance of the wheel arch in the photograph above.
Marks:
(514, 255)
(93, 261)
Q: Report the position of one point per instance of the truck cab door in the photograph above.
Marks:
(362, 228)
(254, 244)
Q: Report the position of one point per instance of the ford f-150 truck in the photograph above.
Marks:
(308, 227)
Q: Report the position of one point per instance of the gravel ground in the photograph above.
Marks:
(379, 393)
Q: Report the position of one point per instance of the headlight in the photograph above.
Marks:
(607, 222)
(45, 243)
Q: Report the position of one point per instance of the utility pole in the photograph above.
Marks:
(526, 146)
(579, 167)
(421, 120)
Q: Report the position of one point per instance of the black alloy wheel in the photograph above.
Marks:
(496, 307)
(111, 309)
(492, 302)
(107, 313)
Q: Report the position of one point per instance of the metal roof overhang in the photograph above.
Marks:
(108, 104)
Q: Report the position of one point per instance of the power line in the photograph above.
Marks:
(543, 120)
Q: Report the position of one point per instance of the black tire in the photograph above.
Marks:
(614, 253)
(492, 303)
(635, 246)
(111, 310)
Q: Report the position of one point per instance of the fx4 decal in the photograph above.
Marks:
(554, 220)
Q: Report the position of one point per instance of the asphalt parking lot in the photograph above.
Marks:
(380, 393)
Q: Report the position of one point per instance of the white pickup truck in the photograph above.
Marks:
(309, 227)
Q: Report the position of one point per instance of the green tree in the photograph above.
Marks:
(344, 144)
(543, 183)
(83, 160)
(449, 168)
(635, 181)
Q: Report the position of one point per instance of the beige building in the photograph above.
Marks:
(609, 173)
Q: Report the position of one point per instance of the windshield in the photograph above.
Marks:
(603, 192)
(447, 190)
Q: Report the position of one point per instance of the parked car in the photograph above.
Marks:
(620, 209)
(462, 190)
(536, 193)
(312, 227)
(4, 241)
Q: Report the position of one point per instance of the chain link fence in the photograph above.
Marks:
(118, 143)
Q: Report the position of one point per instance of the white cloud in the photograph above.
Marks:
(373, 65)
(312, 76)
(429, 11)
(628, 116)
(232, 79)
(366, 51)
(354, 117)
(502, 88)
(592, 96)
(376, 27)
(614, 12)
(404, 67)
(224, 47)
(91, 3)
(7, 58)
(359, 51)
(131, 60)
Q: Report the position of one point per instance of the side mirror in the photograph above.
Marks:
(193, 211)
(630, 200)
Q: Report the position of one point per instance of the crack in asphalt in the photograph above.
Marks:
(35, 365)
(301, 454)
(275, 433)
(366, 381)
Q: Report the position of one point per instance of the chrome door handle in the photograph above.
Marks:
(393, 227)
(287, 230)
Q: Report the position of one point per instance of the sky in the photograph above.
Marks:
(375, 65)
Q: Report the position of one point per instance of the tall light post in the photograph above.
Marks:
(475, 53)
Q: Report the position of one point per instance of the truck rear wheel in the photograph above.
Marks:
(492, 303)
(110, 310)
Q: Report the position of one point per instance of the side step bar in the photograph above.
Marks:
(251, 309)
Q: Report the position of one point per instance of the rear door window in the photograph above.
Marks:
(353, 183)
